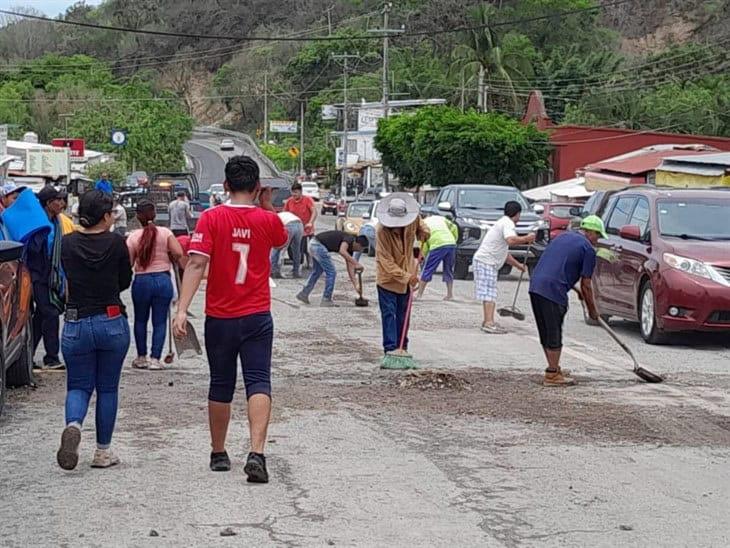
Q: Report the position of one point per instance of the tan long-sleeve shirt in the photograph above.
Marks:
(394, 255)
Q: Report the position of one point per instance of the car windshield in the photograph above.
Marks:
(309, 186)
(698, 219)
(486, 198)
(562, 212)
(358, 210)
(217, 188)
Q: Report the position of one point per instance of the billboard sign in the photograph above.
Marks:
(48, 162)
(367, 119)
(76, 146)
(283, 126)
(329, 112)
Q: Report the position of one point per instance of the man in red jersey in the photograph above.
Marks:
(236, 238)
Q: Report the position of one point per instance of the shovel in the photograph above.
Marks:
(189, 345)
(643, 374)
(513, 311)
(360, 301)
(170, 354)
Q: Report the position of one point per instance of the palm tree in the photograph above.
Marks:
(482, 54)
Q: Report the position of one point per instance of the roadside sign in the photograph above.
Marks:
(119, 137)
(48, 162)
(3, 140)
(76, 146)
(294, 152)
(367, 119)
(329, 112)
(283, 126)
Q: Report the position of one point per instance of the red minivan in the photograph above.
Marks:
(666, 261)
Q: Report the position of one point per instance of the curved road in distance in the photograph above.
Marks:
(210, 160)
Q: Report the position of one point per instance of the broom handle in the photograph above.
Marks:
(522, 274)
(408, 319)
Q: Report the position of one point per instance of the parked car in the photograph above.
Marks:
(475, 209)
(357, 214)
(329, 205)
(595, 205)
(311, 189)
(16, 334)
(666, 261)
(559, 215)
(342, 207)
(217, 189)
(227, 144)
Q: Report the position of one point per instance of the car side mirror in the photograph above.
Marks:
(630, 232)
(445, 206)
(539, 209)
(576, 211)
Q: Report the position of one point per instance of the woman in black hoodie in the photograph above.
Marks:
(95, 336)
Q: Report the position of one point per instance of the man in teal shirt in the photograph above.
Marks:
(439, 248)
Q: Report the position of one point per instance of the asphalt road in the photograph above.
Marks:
(470, 451)
(209, 160)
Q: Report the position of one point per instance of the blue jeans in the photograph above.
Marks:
(322, 264)
(151, 292)
(294, 244)
(393, 311)
(369, 232)
(94, 349)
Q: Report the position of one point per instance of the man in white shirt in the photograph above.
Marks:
(295, 229)
(180, 213)
(491, 256)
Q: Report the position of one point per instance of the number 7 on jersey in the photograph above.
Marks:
(242, 250)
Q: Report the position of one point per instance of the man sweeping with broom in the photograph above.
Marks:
(397, 276)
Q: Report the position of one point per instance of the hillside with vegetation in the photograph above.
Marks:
(645, 65)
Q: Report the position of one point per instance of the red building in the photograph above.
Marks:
(578, 146)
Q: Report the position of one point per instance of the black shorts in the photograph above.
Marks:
(226, 340)
(549, 316)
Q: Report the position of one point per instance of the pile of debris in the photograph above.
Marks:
(432, 380)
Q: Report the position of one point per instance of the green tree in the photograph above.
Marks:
(441, 145)
(482, 55)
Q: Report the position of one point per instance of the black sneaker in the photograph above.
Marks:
(256, 468)
(53, 363)
(219, 462)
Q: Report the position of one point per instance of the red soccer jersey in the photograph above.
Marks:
(302, 209)
(238, 240)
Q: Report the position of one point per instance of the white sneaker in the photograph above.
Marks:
(104, 458)
(154, 364)
(140, 362)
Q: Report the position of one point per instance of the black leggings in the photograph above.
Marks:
(549, 316)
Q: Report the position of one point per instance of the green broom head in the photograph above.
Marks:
(398, 359)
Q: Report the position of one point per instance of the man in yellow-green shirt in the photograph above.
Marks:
(439, 248)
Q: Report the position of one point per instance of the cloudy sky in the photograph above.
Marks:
(49, 7)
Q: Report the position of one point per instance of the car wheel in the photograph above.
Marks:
(647, 317)
(461, 269)
(21, 372)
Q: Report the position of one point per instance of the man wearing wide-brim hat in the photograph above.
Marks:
(399, 227)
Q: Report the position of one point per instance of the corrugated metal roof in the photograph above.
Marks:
(643, 163)
(718, 159)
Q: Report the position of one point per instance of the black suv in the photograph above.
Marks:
(475, 209)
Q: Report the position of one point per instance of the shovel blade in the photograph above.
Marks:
(648, 376)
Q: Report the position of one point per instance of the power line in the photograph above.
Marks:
(358, 37)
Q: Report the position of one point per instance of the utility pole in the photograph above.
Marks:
(386, 32)
(329, 20)
(301, 137)
(345, 58)
(266, 107)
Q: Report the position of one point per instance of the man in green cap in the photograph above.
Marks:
(569, 257)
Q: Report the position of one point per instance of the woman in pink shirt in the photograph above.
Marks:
(152, 250)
